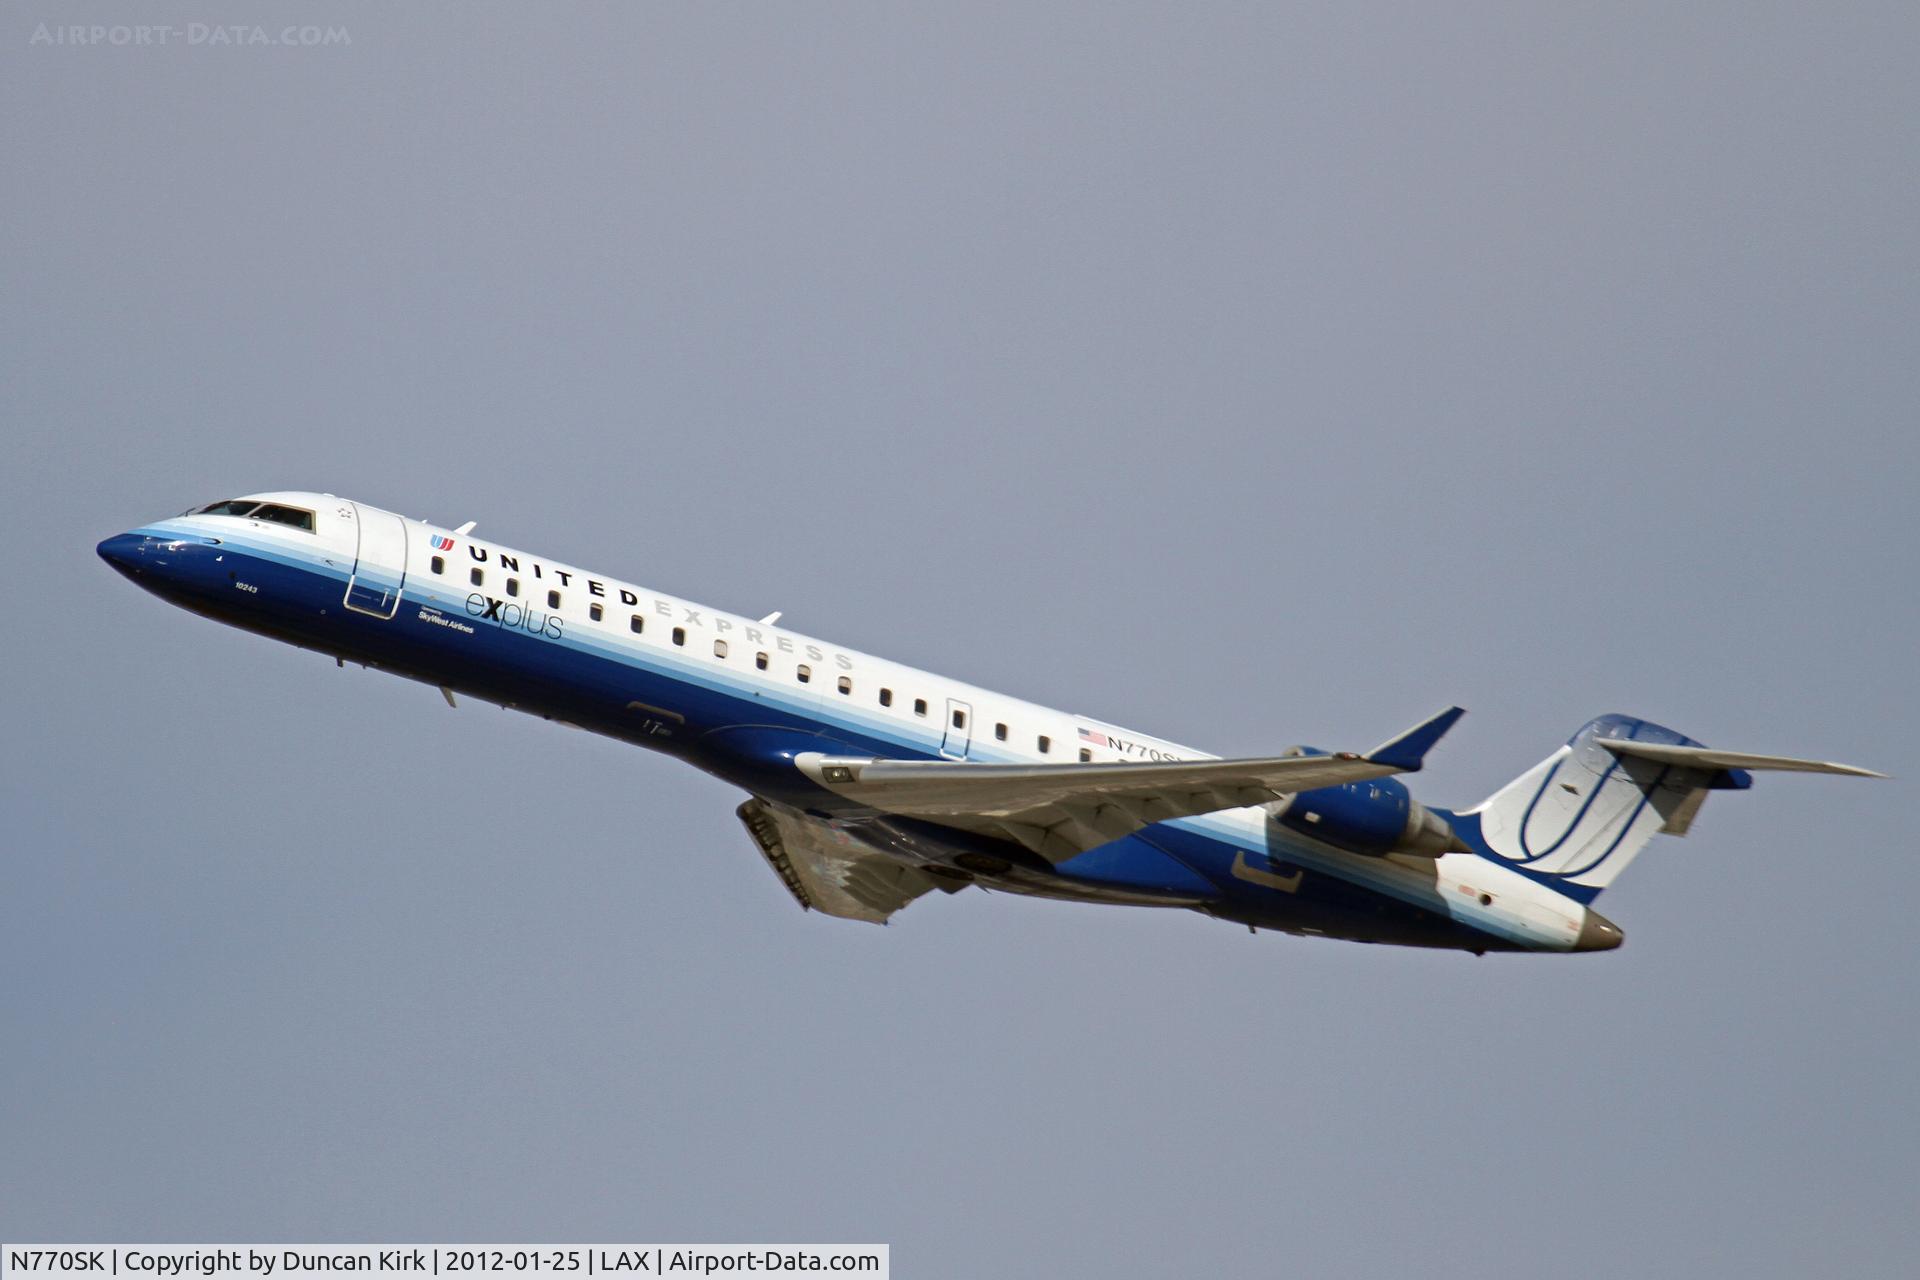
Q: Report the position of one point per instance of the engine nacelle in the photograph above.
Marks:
(1377, 817)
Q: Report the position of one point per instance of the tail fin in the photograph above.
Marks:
(1576, 819)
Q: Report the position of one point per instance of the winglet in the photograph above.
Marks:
(1409, 751)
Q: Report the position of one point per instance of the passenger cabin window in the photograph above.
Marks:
(886, 697)
(292, 517)
(553, 599)
(679, 635)
(1085, 755)
(1000, 732)
(719, 648)
(636, 624)
(919, 706)
(477, 577)
(232, 507)
(439, 564)
(1045, 743)
(846, 684)
(595, 612)
(804, 672)
(513, 586)
(760, 661)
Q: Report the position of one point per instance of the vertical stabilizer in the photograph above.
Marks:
(1578, 817)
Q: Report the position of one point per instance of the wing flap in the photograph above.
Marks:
(827, 870)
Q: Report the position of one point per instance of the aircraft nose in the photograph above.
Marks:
(122, 551)
(1597, 933)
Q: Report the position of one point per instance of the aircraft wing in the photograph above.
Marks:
(1060, 810)
(827, 870)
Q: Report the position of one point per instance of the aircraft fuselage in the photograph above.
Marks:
(741, 699)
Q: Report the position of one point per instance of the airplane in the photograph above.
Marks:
(870, 784)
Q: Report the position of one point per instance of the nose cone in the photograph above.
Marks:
(1597, 933)
(122, 551)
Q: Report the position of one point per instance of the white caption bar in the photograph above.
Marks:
(466, 1261)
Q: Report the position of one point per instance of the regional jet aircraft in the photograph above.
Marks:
(870, 784)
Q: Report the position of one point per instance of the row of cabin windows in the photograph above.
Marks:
(804, 673)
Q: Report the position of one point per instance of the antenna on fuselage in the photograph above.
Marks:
(770, 619)
(466, 528)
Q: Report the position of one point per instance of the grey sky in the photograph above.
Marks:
(1247, 377)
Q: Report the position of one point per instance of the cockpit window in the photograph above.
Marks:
(232, 507)
(292, 517)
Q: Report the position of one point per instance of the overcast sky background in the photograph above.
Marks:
(1244, 376)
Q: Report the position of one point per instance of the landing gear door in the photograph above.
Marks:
(959, 733)
(380, 562)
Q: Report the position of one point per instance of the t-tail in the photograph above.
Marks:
(1576, 819)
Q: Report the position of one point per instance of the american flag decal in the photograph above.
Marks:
(1097, 739)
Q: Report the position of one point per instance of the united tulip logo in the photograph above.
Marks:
(442, 544)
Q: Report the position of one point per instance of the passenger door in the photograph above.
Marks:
(959, 733)
(380, 562)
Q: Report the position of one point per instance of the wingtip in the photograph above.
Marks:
(1408, 752)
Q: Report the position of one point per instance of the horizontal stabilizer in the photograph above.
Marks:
(1712, 758)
